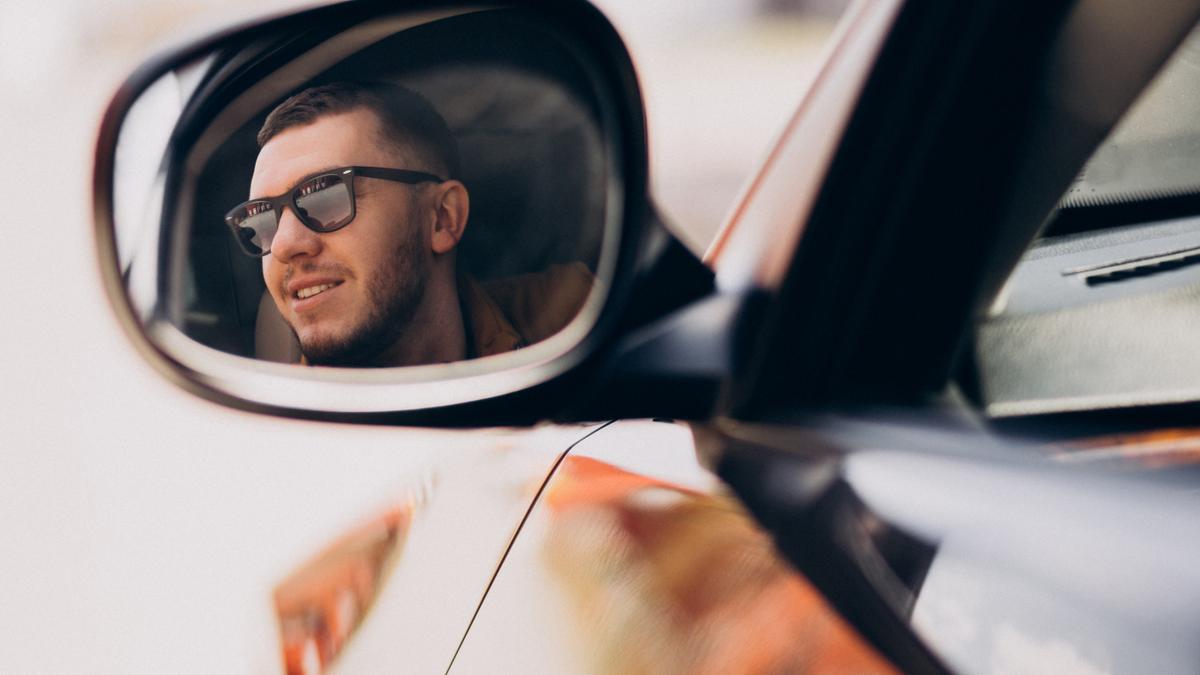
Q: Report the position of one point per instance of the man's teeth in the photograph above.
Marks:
(313, 290)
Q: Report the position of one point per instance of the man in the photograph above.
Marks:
(357, 209)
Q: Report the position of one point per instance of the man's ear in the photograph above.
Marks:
(452, 205)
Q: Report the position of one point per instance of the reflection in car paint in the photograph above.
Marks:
(669, 580)
(320, 604)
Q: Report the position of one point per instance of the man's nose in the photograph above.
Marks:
(293, 239)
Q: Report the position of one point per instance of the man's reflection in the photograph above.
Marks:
(357, 209)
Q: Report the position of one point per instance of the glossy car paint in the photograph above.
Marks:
(365, 606)
(637, 559)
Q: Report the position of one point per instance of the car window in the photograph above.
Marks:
(1103, 310)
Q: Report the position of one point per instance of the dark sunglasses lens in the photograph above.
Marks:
(325, 203)
(255, 224)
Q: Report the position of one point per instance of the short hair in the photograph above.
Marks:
(407, 119)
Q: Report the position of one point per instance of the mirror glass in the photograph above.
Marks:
(407, 190)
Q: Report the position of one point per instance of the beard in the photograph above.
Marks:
(394, 295)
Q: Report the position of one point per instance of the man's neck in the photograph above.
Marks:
(436, 333)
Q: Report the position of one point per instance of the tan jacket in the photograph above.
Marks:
(501, 315)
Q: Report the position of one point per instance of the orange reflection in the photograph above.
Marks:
(1154, 449)
(667, 580)
(320, 604)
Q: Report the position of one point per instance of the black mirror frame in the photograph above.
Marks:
(640, 242)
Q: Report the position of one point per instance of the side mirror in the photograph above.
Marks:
(433, 215)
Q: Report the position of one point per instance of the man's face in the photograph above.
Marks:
(348, 294)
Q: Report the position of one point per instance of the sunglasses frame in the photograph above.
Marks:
(346, 174)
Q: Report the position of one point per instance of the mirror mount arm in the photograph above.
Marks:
(668, 275)
(677, 339)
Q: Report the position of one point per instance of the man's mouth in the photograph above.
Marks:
(310, 291)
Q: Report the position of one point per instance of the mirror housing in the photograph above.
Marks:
(562, 378)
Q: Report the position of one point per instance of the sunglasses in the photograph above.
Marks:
(323, 202)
